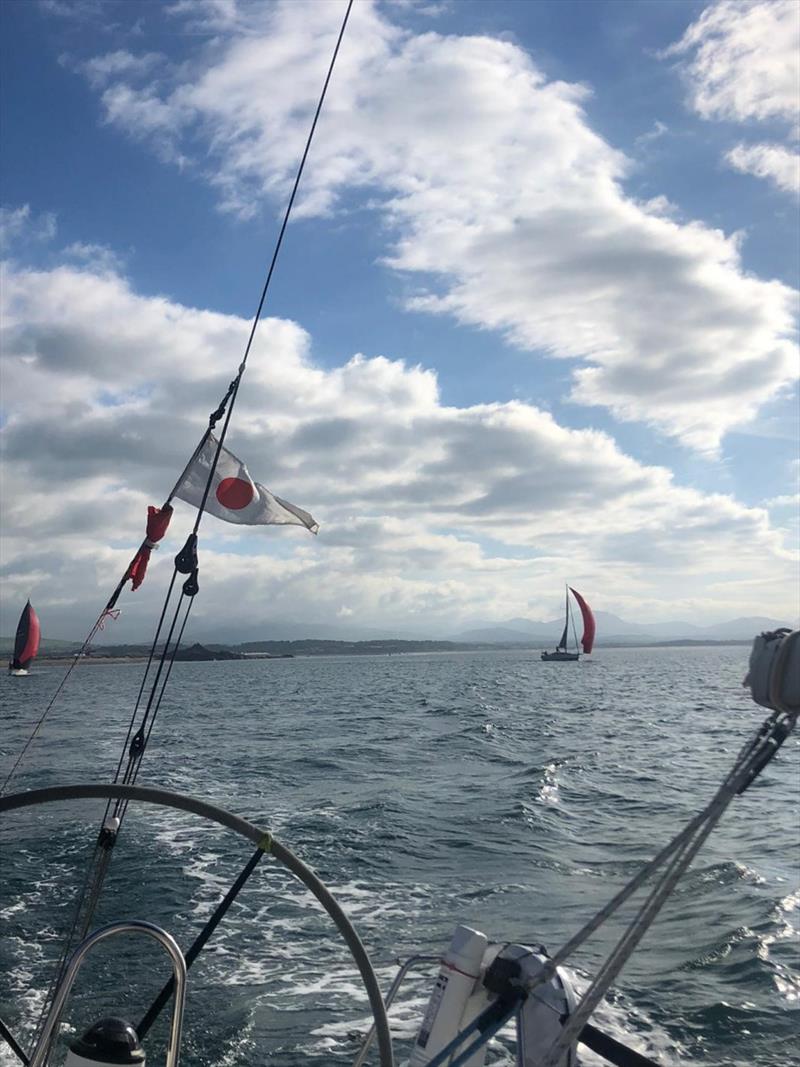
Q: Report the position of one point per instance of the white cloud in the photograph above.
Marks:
(779, 165)
(431, 515)
(145, 117)
(210, 16)
(18, 225)
(100, 257)
(788, 500)
(655, 133)
(498, 196)
(745, 60)
(101, 69)
(744, 66)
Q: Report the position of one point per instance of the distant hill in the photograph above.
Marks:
(494, 635)
(48, 645)
(349, 648)
(613, 630)
(286, 649)
(308, 647)
(327, 639)
(196, 653)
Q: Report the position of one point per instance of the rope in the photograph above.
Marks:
(197, 945)
(86, 902)
(254, 834)
(13, 1044)
(230, 395)
(132, 778)
(40, 722)
(612, 1050)
(108, 611)
(136, 743)
(489, 1022)
(144, 680)
(233, 389)
(753, 757)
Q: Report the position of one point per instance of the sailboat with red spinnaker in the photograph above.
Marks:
(26, 642)
(562, 653)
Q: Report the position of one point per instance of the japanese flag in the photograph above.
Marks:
(234, 496)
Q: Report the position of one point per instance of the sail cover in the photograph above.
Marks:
(589, 625)
(26, 643)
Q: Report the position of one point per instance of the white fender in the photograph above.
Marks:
(478, 1001)
(459, 972)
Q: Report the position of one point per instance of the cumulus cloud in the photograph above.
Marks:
(431, 515)
(744, 60)
(496, 194)
(743, 66)
(777, 164)
(787, 500)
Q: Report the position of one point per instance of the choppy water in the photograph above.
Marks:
(485, 788)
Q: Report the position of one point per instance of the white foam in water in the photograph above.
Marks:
(239, 1049)
(786, 980)
(618, 1017)
(548, 791)
(456, 810)
(288, 978)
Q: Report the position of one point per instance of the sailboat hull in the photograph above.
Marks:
(561, 657)
(18, 672)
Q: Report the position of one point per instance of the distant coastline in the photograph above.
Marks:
(288, 649)
(324, 639)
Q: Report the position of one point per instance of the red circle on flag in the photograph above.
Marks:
(234, 493)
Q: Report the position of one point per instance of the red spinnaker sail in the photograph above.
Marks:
(26, 643)
(589, 625)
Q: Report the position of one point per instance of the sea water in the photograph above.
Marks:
(485, 788)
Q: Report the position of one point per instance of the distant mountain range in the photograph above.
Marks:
(611, 630)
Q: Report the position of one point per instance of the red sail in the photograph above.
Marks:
(589, 625)
(157, 523)
(26, 643)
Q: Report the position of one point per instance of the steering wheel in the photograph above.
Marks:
(264, 840)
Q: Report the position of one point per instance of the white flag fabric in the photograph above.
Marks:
(234, 496)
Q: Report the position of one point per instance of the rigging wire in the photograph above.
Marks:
(678, 855)
(100, 860)
(197, 945)
(234, 387)
(136, 743)
(126, 743)
(109, 611)
(98, 625)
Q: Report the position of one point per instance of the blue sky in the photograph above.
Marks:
(534, 320)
